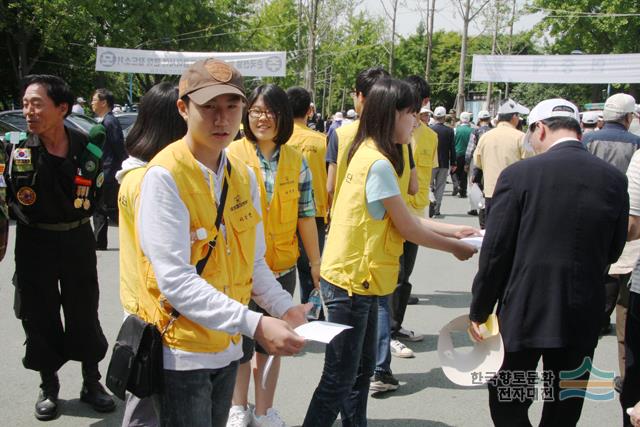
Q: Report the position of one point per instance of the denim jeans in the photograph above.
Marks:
(198, 398)
(349, 360)
(304, 270)
(383, 354)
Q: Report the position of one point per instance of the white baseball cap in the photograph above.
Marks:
(80, 100)
(425, 109)
(617, 104)
(351, 114)
(465, 117)
(440, 112)
(590, 117)
(512, 107)
(556, 107)
(338, 116)
(475, 367)
(484, 114)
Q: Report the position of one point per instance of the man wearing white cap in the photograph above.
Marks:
(78, 107)
(462, 137)
(484, 126)
(500, 147)
(446, 157)
(589, 122)
(552, 231)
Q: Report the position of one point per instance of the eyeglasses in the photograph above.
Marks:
(255, 113)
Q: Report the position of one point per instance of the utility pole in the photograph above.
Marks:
(513, 18)
(309, 75)
(429, 39)
(493, 51)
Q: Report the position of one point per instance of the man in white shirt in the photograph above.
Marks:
(198, 383)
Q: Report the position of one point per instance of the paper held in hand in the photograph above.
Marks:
(320, 331)
(475, 241)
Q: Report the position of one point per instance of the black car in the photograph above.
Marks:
(13, 120)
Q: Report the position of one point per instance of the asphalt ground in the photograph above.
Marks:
(425, 397)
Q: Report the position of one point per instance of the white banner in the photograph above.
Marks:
(624, 68)
(252, 64)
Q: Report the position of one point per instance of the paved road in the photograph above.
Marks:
(425, 397)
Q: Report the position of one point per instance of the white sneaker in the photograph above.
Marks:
(239, 416)
(272, 419)
(407, 335)
(400, 350)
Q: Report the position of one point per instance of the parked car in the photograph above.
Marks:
(126, 121)
(15, 119)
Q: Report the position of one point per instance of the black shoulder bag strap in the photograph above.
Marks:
(212, 244)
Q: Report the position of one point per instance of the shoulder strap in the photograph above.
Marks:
(223, 198)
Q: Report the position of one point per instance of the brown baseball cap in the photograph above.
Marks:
(208, 78)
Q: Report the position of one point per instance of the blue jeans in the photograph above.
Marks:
(198, 398)
(383, 354)
(348, 362)
(304, 270)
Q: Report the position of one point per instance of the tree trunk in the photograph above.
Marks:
(430, 40)
(393, 37)
(310, 72)
(493, 52)
(513, 18)
(463, 57)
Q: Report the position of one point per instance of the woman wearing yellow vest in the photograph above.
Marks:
(158, 124)
(183, 188)
(360, 261)
(287, 206)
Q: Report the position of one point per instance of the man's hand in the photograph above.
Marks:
(634, 413)
(297, 315)
(277, 337)
(463, 251)
(466, 168)
(474, 330)
(466, 231)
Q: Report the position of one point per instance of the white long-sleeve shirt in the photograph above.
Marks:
(165, 239)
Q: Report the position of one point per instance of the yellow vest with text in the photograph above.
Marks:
(230, 266)
(129, 277)
(346, 135)
(280, 217)
(312, 145)
(425, 153)
(362, 253)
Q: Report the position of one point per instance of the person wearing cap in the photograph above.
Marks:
(425, 114)
(543, 266)
(351, 117)
(52, 183)
(204, 309)
(446, 157)
(338, 118)
(461, 140)
(484, 125)
(78, 107)
(589, 122)
(499, 148)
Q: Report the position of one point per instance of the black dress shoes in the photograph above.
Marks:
(95, 395)
(47, 403)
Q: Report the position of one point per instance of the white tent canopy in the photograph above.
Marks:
(253, 64)
(623, 68)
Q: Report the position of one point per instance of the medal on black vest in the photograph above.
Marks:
(82, 193)
(26, 196)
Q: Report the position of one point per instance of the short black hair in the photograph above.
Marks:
(420, 85)
(158, 123)
(276, 99)
(106, 95)
(506, 117)
(568, 123)
(367, 78)
(57, 89)
(300, 101)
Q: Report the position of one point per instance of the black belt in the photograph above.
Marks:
(60, 226)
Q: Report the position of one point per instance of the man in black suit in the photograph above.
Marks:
(551, 235)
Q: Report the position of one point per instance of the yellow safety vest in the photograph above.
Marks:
(129, 277)
(313, 147)
(425, 150)
(280, 217)
(230, 266)
(346, 134)
(361, 253)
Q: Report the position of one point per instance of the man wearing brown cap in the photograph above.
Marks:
(199, 269)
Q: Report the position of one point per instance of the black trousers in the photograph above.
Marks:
(106, 209)
(400, 296)
(612, 289)
(631, 386)
(462, 175)
(509, 403)
(304, 270)
(57, 269)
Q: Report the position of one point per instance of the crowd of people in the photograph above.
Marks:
(217, 225)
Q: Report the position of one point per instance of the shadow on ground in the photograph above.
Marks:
(446, 299)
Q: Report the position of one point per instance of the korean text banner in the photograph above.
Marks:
(624, 68)
(253, 64)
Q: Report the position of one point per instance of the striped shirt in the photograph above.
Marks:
(269, 169)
